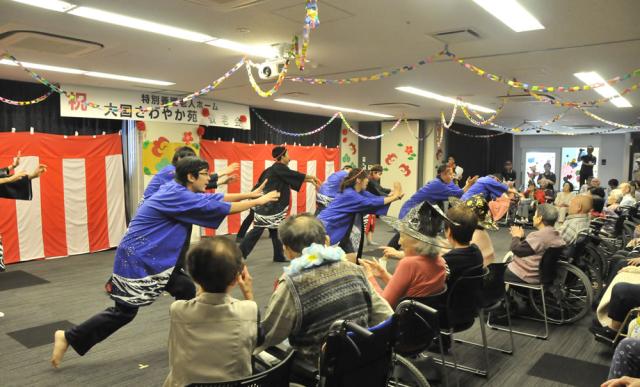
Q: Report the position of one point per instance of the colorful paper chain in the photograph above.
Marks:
(483, 121)
(443, 121)
(476, 135)
(525, 85)
(294, 134)
(275, 88)
(417, 137)
(373, 77)
(311, 21)
(362, 136)
(24, 103)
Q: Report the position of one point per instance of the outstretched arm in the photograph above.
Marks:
(247, 204)
(256, 193)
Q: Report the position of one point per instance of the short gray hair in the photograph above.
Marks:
(548, 213)
(300, 231)
(426, 249)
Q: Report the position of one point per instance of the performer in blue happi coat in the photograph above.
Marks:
(147, 254)
(330, 188)
(490, 187)
(168, 173)
(338, 217)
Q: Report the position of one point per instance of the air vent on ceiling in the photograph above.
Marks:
(395, 105)
(583, 127)
(227, 5)
(524, 98)
(456, 36)
(296, 94)
(44, 42)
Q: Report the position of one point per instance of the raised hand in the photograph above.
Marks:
(16, 161)
(256, 193)
(230, 169)
(17, 176)
(272, 196)
(38, 171)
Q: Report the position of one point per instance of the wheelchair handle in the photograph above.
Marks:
(417, 305)
(358, 330)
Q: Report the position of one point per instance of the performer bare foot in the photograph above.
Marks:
(60, 346)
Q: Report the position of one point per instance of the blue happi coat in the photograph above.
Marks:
(147, 254)
(339, 215)
(434, 191)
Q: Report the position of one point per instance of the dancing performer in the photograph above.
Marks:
(490, 187)
(339, 217)
(330, 188)
(375, 174)
(145, 259)
(281, 179)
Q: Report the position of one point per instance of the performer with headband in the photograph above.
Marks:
(339, 216)
(146, 256)
(281, 179)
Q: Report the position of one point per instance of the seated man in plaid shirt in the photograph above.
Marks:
(577, 219)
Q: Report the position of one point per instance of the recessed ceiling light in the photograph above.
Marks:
(442, 98)
(139, 24)
(606, 90)
(68, 70)
(261, 51)
(52, 5)
(511, 13)
(331, 107)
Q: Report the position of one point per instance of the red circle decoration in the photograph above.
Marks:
(141, 126)
(344, 132)
(205, 112)
(243, 118)
(201, 130)
(344, 139)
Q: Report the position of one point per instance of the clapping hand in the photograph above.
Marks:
(372, 267)
(517, 231)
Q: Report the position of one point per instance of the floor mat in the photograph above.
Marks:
(40, 335)
(569, 371)
(19, 279)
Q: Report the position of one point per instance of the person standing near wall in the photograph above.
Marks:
(588, 161)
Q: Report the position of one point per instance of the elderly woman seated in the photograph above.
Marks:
(422, 271)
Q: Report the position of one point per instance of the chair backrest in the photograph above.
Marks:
(370, 365)
(464, 298)
(549, 264)
(277, 376)
(493, 289)
(418, 324)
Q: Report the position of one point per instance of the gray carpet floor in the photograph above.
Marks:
(137, 354)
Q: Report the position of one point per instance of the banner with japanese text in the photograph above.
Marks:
(116, 104)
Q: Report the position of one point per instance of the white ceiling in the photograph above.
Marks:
(355, 38)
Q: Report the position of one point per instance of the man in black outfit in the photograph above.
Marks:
(588, 161)
(282, 179)
(547, 174)
(508, 174)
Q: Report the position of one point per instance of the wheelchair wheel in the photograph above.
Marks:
(568, 298)
(405, 374)
(592, 264)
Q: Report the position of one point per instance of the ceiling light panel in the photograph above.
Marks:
(52, 5)
(442, 98)
(332, 107)
(511, 13)
(606, 90)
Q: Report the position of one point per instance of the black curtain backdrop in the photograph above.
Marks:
(290, 122)
(44, 117)
(478, 156)
(369, 148)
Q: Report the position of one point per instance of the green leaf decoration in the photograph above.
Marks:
(385, 169)
(400, 144)
(413, 155)
(346, 158)
(410, 158)
(146, 144)
(147, 171)
(197, 146)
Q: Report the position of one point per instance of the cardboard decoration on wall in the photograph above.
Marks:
(399, 159)
(349, 148)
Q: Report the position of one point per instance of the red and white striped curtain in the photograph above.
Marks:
(78, 204)
(254, 159)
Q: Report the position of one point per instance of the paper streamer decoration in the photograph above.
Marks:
(256, 87)
(294, 134)
(346, 124)
(24, 103)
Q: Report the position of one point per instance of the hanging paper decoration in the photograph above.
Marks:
(405, 169)
(616, 124)
(346, 123)
(242, 118)
(314, 131)
(200, 131)
(533, 87)
(141, 126)
(311, 21)
(187, 137)
(390, 158)
(367, 78)
(205, 112)
(31, 102)
(453, 115)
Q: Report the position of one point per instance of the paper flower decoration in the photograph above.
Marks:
(141, 126)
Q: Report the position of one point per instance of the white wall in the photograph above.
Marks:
(396, 157)
(614, 148)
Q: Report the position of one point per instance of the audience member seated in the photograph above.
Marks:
(584, 188)
(318, 287)
(613, 202)
(563, 198)
(625, 365)
(212, 337)
(459, 232)
(547, 179)
(527, 252)
(578, 218)
(613, 184)
(612, 311)
(598, 207)
(595, 188)
(628, 198)
(531, 197)
(481, 236)
(421, 272)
